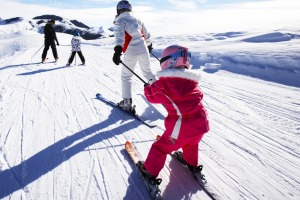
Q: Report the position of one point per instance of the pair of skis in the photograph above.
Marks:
(70, 65)
(46, 62)
(154, 189)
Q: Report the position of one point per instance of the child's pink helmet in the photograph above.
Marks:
(175, 56)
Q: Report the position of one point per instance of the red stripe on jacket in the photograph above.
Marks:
(127, 41)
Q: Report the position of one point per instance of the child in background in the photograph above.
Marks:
(76, 48)
(186, 123)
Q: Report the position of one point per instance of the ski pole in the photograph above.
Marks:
(37, 51)
(134, 73)
(155, 56)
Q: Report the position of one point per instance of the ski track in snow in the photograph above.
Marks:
(259, 137)
(58, 142)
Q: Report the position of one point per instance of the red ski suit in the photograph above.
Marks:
(186, 122)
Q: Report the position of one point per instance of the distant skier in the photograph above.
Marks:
(186, 123)
(133, 39)
(76, 48)
(50, 38)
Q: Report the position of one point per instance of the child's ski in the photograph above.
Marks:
(153, 189)
(198, 176)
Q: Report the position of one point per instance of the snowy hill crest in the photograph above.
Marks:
(63, 26)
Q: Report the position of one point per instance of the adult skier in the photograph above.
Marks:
(133, 39)
(76, 48)
(186, 123)
(50, 38)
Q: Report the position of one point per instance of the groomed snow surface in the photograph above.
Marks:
(58, 142)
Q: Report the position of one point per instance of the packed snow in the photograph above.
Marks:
(58, 142)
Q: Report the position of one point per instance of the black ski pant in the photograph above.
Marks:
(73, 55)
(46, 48)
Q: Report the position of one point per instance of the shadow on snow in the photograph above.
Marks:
(40, 71)
(19, 65)
(19, 176)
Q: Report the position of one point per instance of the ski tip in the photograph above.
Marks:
(158, 137)
(127, 144)
(97, 95)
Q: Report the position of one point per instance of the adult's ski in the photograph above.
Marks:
(152, 188)
(41, 63)
(113, 104)
(197, 176)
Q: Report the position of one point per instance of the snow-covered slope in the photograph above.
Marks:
(58, 142)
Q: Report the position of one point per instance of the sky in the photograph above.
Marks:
(195, 15)
(157, 4)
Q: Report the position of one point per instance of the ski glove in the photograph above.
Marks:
(117, 55)
(146, 84)
(150, 48)
(57, 44)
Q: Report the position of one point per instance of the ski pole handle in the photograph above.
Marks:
(134, 73)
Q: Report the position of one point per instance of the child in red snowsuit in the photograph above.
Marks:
(186, 122)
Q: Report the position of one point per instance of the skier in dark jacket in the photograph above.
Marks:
(50, 38)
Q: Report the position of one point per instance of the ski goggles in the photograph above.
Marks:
(183, 52)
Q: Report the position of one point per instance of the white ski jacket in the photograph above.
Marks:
(131, 34)
(76, 43)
